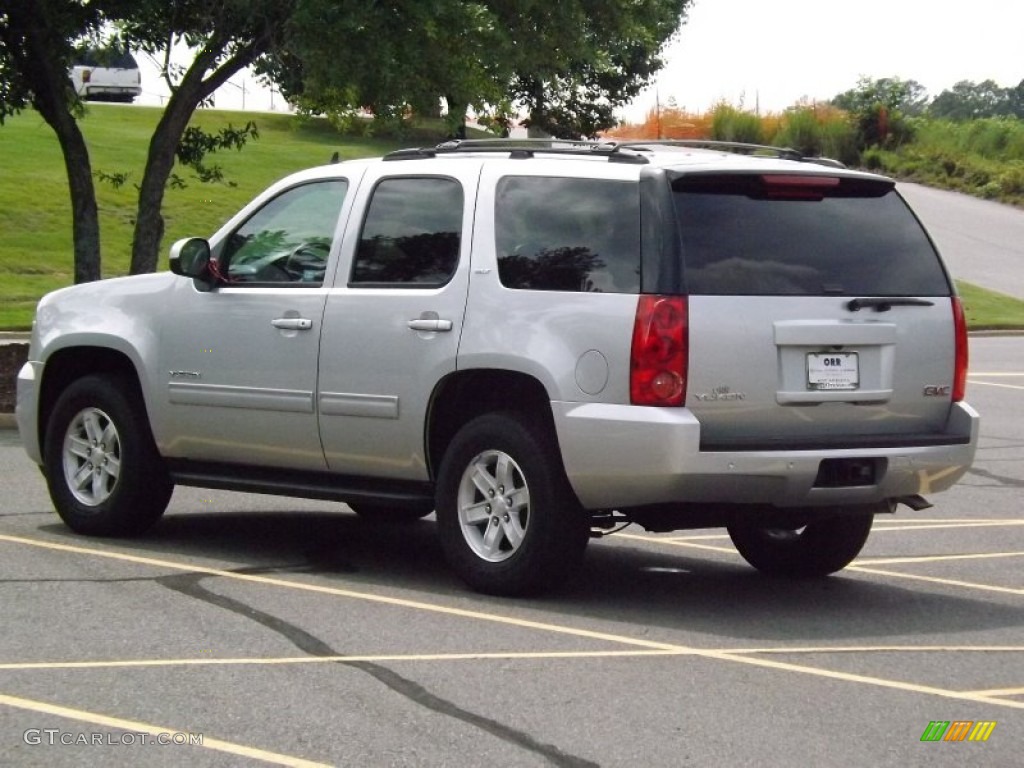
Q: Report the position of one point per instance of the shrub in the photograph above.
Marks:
(731, 124)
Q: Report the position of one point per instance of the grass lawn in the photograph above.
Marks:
(35, 210)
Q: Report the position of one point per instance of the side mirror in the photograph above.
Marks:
(191, 258)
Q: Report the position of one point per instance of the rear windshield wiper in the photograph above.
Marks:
(885, 304)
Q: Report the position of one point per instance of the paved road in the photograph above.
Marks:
(292, 633)
(982, 242)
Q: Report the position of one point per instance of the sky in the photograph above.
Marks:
(772, 53)
(768, 54)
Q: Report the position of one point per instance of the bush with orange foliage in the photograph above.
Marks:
(667, 123)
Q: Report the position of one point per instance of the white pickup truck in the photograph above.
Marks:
(107, 75)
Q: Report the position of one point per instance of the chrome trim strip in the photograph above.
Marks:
(350, 404)
(228, 396)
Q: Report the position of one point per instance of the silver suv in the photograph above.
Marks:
(540, 341)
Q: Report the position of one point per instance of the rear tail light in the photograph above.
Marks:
(660, 351)
(960, 367)
(804, 187)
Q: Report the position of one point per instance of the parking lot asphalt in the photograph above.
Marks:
(248, 630)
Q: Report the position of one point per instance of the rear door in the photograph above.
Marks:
(820, 313)
(393, 321)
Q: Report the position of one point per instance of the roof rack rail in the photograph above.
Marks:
(737, 147)
(522, 149)
(630, 151)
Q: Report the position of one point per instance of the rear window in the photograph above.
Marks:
(788, 236)
(560, 234)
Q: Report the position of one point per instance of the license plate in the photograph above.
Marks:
(833, 370)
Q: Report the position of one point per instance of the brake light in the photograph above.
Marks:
(960, 366)
(659, 357)
(779, 186)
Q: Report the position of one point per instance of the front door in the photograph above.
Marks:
(241, 360)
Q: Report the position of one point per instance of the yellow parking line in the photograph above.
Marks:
(377, 658)
(881, 649)
(995, 373)
(391, 658)
(1001, 692)
(135, 726)
(937, 525)
(936, 580)
(496, 618)
(914, 526)
(994, 384)
(964, 520)
(339, 592)
(933, 558)
(676, 542)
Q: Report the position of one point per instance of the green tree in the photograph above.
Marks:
(568, 64)
(968, 100)
(879, 108)
(38, 40)
(908, 97)
(227, 36)
(36, 52)
(593, 56)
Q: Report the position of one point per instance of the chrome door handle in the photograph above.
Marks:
(292, 323)
(429, 321)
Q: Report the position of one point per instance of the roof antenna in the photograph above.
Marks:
(335, 158)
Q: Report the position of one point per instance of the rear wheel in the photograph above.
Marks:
(508, 520)
(816, 549)
(102, 467)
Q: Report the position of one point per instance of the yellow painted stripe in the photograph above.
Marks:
(380, 658)
(339, 592)
(994, 384)
(968, 521)
(913, 526)
(674, 542)
(1000, 692)
(205, 661)
(880, 649)
(936, 580)
(934, 558)
(751, 660)
(93, 718)
(995, 373)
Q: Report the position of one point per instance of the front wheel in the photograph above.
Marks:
(817, 549)
(508, 521)
(101, 465)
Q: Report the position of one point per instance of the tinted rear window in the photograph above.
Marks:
(558, 234)
(743, 235)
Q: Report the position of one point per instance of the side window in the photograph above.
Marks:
(289, 239)
(555, 234)
(411, 233)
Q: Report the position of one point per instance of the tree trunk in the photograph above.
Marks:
(85, 223)
(51, 98)
(149, 221)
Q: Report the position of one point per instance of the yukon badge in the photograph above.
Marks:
(721, 393)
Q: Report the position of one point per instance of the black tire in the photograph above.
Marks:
(101, 464)
(817, 549)
(538, 531)
(391, 513)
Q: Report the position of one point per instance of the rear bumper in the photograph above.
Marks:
(619, 456)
